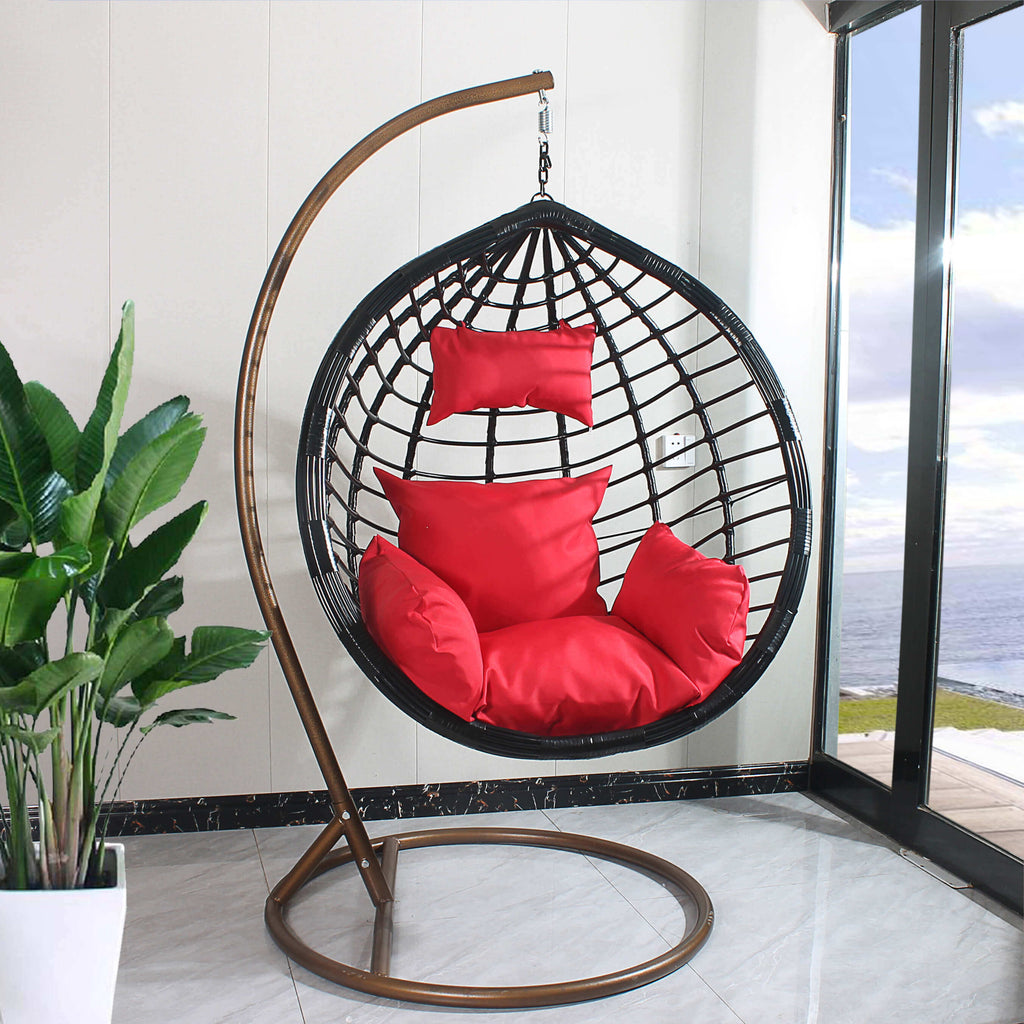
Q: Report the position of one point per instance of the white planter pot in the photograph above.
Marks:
(59, 951)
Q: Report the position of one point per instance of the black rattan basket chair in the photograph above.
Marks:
(670, 358)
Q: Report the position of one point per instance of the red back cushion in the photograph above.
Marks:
(514, 552)
(422, 625)
(497, 369)
(694, 608)
(577, 675)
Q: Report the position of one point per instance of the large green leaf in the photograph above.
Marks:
(152, 478)
(28, 481)
(31, 588)
(160, 679)
(18, 661)
(186, 716)
(217, 649)
(137, 649)
(14, 536)
(57, 425)
(26, 607)
(164, 599)
(156, 422)
(99, 437)
(48, 683)
(8, 516)
(119, 711)
(66, 563)
(37, 742)
(140, 567)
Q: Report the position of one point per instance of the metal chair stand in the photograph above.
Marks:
(377, 860)
(382, 862)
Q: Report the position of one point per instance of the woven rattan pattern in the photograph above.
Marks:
(669, 357)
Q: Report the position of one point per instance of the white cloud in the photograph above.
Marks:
(985, 484)
(985, 253)
(1006, 118)
(972, 409)
(882, 425)
(878, 426)
(898, 179)
(986, 455)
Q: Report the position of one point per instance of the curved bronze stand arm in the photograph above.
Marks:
(379, 877)
(245, 401)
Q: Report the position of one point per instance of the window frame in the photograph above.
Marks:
(900, 810)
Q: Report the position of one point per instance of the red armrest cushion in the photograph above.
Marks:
(694, 608)
(422, 625)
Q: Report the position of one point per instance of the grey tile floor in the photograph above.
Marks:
(817, 920)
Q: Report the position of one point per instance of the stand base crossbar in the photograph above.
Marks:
(378, 982)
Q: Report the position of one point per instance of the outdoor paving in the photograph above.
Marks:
(989, 804)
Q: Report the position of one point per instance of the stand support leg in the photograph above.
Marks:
(384, 922)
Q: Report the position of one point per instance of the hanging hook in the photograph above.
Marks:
(543, 130)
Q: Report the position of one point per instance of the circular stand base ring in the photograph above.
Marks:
(506, 996)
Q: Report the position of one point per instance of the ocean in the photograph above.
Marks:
(981, 635)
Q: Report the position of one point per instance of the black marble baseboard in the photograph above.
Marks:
(268, 810)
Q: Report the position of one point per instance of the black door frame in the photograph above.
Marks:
(901, 811)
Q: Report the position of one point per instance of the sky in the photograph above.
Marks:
(985, 496)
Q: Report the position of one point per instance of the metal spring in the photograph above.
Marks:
(544, 119)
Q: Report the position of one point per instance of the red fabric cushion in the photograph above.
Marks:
(513, 552)
(694, 608)
(578, 675)
(422, 625)
(497, 369)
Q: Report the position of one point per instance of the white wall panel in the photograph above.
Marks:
(187, 237)
(633, 125)
(764, 250)
(479, 163)
(338, 70)
(53, 196)
(700, 130)
(633, 159)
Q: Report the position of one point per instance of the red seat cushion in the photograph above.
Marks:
(582, 674)
(514, 552)
(422, 625)
(694, 608)
(497, 369)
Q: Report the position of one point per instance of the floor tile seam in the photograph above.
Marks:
(718, 995)
(263, 866)
(554, 824)
(287, 959)
(295, 989)
(665, 895)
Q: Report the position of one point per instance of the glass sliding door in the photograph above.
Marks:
(921, 663)
(977, 767)
(877, 293)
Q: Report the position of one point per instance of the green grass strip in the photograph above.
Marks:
(951, 709)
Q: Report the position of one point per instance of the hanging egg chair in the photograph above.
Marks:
(688, 421)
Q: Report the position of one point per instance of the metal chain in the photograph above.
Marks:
(542, 169)
(543, 129)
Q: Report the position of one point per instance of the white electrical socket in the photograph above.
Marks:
(669, 443)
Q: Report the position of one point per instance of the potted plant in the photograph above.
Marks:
(86, 653)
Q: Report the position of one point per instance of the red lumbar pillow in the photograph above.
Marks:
(576, 675)
(514, 552)
(422, 625)
(694, 608)
(497, 369)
